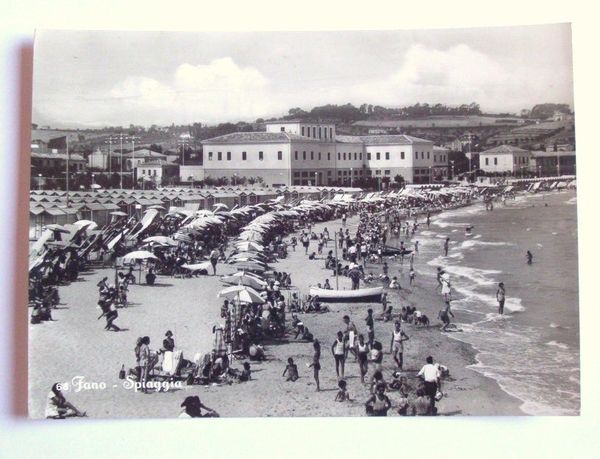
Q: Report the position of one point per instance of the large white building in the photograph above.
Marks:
(505, 158)
(305, 153)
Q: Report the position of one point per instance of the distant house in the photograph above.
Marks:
(133, 158)
(505, 158)
(159, 172)
(53, 164)
(553, 163)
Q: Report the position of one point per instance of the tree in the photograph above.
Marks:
(399, 180)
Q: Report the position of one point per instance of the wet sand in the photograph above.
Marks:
(76, 345)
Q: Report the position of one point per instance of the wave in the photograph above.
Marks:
(571, 201)
(557, 344)
(512, 304)
(471, 243)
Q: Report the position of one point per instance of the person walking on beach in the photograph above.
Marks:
(214, 258)
(362, 349)
(350, 335)
(316, 364)
(501, 297)
(305, 242)
(446, 244)
(338, 349)
(144, 353)
(431, 376)
(397, 344)
(370, 327)
(529, 257)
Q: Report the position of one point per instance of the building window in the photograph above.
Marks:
(487, 161)
(339, 156)
(279, 155)
(427, 155)
(302, 133)
(319, 132)
(243, 156)
(344, 154)
(368, 156)
(282, 128)
(422, 155)
(378, 172)
(331, 133)
(314, 132)
(387, 155)
(416, 155)
(387, 172)
(296, 153)
(210, 155)
(325, 132)
(360, 156)
(296, 174)
(435, 158)
(495, 161)
(378, 156)
(304, 174)
(329, 173)
(260, 156)
(312, 155)
(219, 156)
(319, 156)
(228, 156)
(328, 156)
(304, 155)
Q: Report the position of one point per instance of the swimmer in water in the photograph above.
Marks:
(468, 230)
(529, 257)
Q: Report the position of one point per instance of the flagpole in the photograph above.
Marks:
(67, 175)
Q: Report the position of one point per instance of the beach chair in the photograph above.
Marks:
(170, 365)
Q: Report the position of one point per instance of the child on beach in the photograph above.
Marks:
(342, 394)
(292, 370)
(316, 364)
(411, 276)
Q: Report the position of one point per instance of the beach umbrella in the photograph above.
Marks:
(244, 278)
(250, 266)
(139, 255)
(243, 293)
(220, 205)
(204, 213)
(162, 240)
(250, 236)
(55, 227)
(248, 246)
(87, 223)
(198, 266)
(157, 207)
(118, 213)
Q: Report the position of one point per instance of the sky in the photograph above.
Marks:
(108, 78)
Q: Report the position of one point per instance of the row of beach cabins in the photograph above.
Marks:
(48, 207)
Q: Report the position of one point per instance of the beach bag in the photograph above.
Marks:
(438, 396)
(122, 372)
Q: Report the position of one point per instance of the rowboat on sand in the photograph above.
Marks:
(361, 295)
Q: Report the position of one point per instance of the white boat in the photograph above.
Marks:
(362, 295)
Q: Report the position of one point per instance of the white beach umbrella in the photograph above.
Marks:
(139, 255)
(220, 205)
(248, 246)
(244, 278)
(243, 293)
(162, 240)
(90, 224)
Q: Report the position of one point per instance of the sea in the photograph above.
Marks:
(532, 351)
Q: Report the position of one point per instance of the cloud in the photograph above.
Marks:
(456, 76)
(217, 91)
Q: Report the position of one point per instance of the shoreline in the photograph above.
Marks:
(267, 394)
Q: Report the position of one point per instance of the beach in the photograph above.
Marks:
(75, 345)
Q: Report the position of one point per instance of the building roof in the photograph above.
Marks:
(144, 153)
(258, 137)
(383, 139)
(297, 120)
(62, 156)
(552, 154)
(156, 163)
(505, 150)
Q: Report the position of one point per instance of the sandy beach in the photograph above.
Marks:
(75, 345)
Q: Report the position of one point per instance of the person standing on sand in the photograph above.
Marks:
(529, 257)
(214, 258)
(397, 344)
(501, 297)
(338, 349)
(446, 244)
(316, 364)
(362, 349)
(431, 376)
(370, 327)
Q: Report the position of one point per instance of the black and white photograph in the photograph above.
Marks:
(303, 224)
